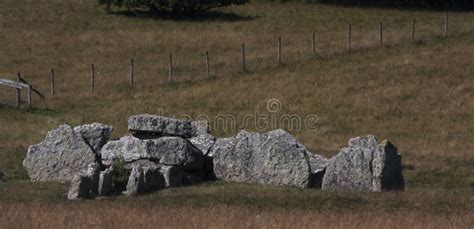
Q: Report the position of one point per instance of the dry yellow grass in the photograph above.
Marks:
(104, 215)
(420, 96)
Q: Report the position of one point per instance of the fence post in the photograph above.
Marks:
(279, 51)
(51, 78)
(18, 92)
(446, 24)
(207, 64)
(313, 43)
(243, 57)
(413, 30)
(131, 72)
(381, 34)
(29, 96)
(170, 69)
(350, 36)
(92, 77)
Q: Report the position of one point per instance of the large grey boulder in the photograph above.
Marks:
(61, 155)
(149, 125)
(274, 158)
(365, 165)
(85, 184)
(164, 150)
(95, 135)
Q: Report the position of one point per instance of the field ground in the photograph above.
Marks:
(419, 95)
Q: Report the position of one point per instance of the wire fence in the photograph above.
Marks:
(259, 53)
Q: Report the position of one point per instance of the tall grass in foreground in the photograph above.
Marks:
(86, 215)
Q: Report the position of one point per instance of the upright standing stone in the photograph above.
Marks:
(106, 182)
(62, 154)
(136, 182)
(85, 184)
(364, 166)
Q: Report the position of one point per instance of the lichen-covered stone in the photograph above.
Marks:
(161, 126)
(61, 156)
(165, 150)
(365, 165)
(85, 184)
(95, 135)
(136, 182)
(202, 139)
(274, 158)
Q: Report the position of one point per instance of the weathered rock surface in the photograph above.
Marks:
(85, 184)
(106, 182)
(95, 135)
(145, 179)
(164, 150)
(274, 158)
(364, 166)
(136, 182)
(62, 154)
(202, 140)
(146, 124)
(2, 176)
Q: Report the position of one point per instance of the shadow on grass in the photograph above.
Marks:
(408, 6)
(199, 17)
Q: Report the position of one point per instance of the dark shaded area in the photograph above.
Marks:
(316, 179)
(392, 177)
(198, 17)
(458, 5)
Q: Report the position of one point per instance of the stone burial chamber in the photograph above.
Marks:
(161, 152)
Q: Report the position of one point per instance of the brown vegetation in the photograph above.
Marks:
(418, 95)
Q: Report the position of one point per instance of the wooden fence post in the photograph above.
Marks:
(170, 69)
(18, 92)
(92, 78)
(243, 57)
(51, 78)
(207, 64)
(350, 36)
(313, 43)
(29, 96)
(279, 51)
(381, 34)
(446, 24)
(131, 72)
(413, 30)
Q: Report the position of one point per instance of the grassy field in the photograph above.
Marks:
(419, 95)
